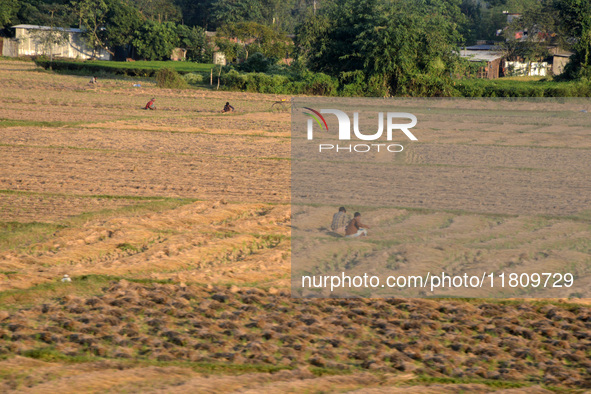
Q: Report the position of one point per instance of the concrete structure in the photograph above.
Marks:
(560, 58)
(27, 43)
(559, 61)
(8, 47)
(178, 54)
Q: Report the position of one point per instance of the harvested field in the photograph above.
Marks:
(175, 227)
(542, 344)
(453, 202)
(47, 208)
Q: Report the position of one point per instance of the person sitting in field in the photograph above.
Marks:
(228, 108)
(340, 220)
(93, 81)
(355, 228)
(150, 104)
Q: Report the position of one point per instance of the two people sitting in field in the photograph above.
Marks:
(353, 227)
(151, 104)
(227, 108)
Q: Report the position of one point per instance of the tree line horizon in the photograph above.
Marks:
(392, 46)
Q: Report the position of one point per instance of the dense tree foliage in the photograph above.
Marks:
(393, 46)
(155, 41)
(255, 38)
(403, 45)
(280, 14)
(158, 10)
(195, 42)
(8, 10)
(575, 21)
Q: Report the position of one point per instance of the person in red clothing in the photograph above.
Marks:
(355, 228)
(150, 104)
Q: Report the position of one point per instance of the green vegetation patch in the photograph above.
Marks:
(134, 69)
(31, 123)
(14, 234)
(525, 87)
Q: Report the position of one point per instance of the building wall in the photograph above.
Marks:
(9, 47)
(521, 68)
(558, 64)
(74, 48)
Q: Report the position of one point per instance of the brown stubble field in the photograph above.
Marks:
(175, 227)
(490, 186)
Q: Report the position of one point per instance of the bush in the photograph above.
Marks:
(355, 84)
(320, 84)
(193, 78)
(170, 79)
(256, 63)
(234, 80)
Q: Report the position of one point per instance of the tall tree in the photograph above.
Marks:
(406, 46)
(195, 42)
(575, 24)
(107, 23)
(121, 23)
(53, 32)
(234, 11)
(197, 13)
(255, 37)
(155, 41)
(158, 10)
(93, 18)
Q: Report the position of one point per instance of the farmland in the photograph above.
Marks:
(174, 226)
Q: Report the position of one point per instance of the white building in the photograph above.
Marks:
(27, 42)
(530, 69)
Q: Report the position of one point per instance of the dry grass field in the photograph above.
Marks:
(490, 186)
(174, 226)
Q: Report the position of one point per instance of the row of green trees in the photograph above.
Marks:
(409, 47)
(151, 28)
(114, 23)
(394, 46)
(208, 14)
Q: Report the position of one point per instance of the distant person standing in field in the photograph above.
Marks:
(151, 104)
(355, 228)
(228, 108)
(339, 219)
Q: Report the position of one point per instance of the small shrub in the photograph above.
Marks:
(193, 78)
(170, 79)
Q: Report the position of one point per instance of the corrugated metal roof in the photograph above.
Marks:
(481, 47)
(479, 56)
(36, 27)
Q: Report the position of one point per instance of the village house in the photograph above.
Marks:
(28, 41)
(489, 55)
